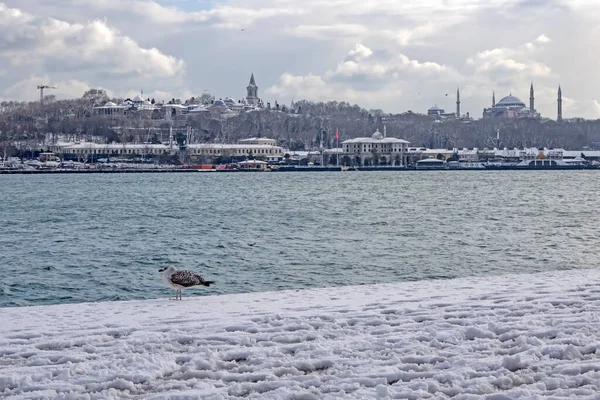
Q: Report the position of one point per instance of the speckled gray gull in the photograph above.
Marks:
(180, 279)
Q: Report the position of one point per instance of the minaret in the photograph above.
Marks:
(457, 103)
(493, 99)
(531, 100)
(559, 116)
(252, 91)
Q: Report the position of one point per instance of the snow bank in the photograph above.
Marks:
(523, 336)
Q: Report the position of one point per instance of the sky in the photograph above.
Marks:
(380, 54)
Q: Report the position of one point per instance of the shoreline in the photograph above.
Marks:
(306, 169)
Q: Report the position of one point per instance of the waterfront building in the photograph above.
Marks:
(269, 153)
(377, 149)
(201, 152)
(259, 141)
(253, 165)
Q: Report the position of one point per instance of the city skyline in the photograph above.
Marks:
(296, 51)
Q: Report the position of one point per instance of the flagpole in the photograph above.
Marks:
(337, 148)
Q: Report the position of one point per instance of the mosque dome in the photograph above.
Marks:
(138, 99)
(377, 135)
(510, 102)
(199, 109)
(218, 103)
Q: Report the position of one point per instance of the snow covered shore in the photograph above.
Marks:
(522, 336)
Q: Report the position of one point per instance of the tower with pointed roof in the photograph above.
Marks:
(252, 92)
(559, 115)
(531, 100)
(457, 103)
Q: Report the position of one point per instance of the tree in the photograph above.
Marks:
(154, 139)
(296, 145)
(206, 98)
(95, 97)
(181, 139)
(286, 157)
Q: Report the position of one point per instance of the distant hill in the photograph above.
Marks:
(305, 126)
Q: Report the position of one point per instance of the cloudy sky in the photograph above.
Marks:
(389, 54)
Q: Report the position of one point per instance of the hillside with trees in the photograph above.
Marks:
(303, 125)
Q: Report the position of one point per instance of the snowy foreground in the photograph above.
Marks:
(529, 336)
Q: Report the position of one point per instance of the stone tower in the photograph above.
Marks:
(457, 103)
(252, 90)
(531, 100)
(559, 115)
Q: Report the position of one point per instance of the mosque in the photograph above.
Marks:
(512, 107)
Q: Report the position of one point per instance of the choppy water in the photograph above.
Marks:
(74, 238)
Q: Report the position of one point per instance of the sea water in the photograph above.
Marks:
(99, 237)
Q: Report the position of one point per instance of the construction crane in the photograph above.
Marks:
(42, 87)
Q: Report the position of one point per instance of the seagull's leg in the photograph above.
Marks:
(179, 292)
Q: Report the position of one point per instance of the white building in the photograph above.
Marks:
(267, 152)
(377, 149)
(260, 141)
(197, 152)
(111, 108)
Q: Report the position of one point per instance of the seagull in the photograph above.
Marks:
(179, 279)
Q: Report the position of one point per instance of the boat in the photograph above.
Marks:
(465, 165)
(553, 160)
(541, 165)
(431, 163)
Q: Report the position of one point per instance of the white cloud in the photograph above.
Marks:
(28, 39)
(360, 52)
(414, 52)
(222, 16)
(26, 88)
(543, 39)
(327, 32)
(364, 75)
(508, 61)
(597, 107)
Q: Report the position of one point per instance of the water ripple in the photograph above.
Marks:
(74, 238)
